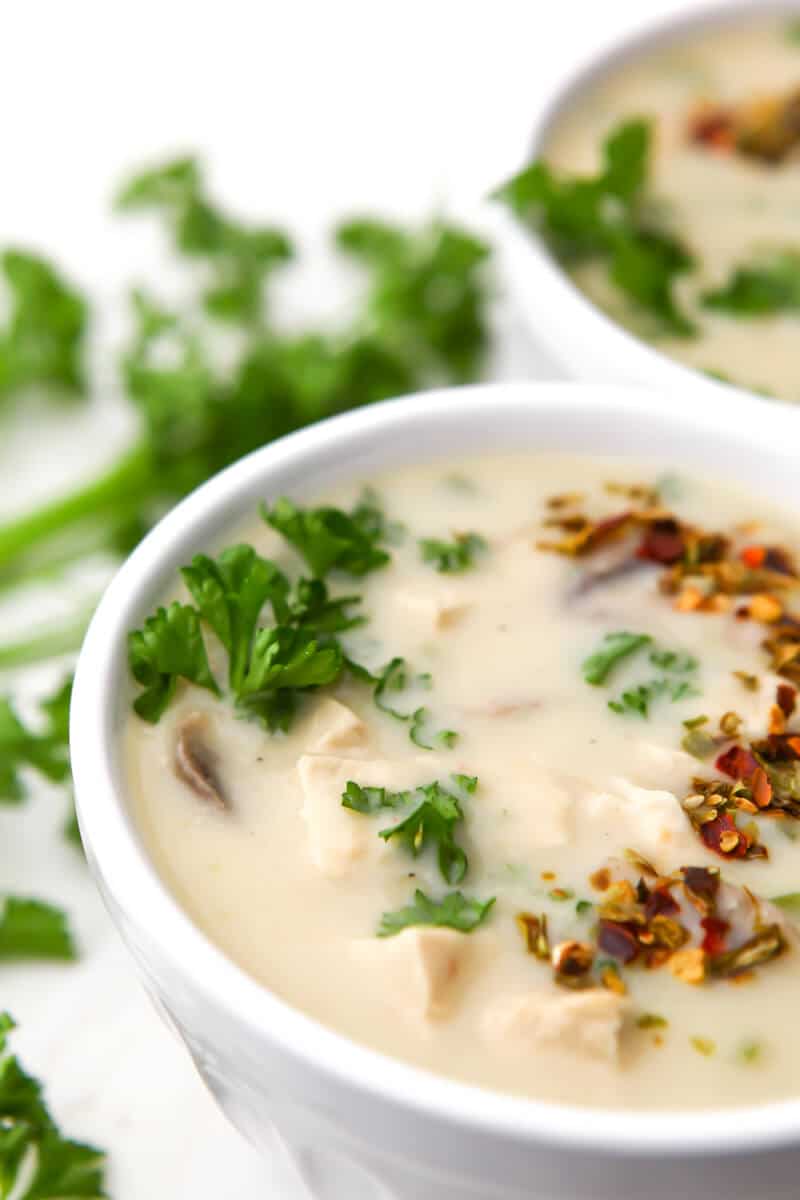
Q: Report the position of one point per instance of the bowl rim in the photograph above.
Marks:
(134, 889)
(531, 263)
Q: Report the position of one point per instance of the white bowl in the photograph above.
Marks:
(582, 338)
(363, 1126)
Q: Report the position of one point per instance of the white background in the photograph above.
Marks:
(303, 112)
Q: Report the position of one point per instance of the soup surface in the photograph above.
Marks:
(513, 846)
(723, 180)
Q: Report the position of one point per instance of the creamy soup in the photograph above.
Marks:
(722, 179)
(524, 825)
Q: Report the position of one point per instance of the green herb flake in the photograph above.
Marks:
(750, 1052)
(603, 217)
(42, 343)
(615, 649)
(789, 902)
(453, 911)
(446, 738)
(284, 661)
(327, 538)
(456, 556)
(770, 286)
(584, 907)
(168, 647)
(37, 1161)
(230, 594)
(396, 677)
(433, 822)
(703, 1045)
(650, 1020)
(46, 752)
(372, 799)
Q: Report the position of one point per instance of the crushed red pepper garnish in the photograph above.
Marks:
(671, 921)
(703, 570)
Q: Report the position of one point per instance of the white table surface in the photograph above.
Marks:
(304, 111)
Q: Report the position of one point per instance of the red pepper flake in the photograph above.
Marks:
(753, 556)
(660, 902)
(662, 543)
(607, 528)
(761, 788)
(722, 836)
(736, 762)
(786, 698)
(715, 931)
(617, 940)
(702, 881)
(794, 744)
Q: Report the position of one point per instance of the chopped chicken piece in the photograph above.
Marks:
(587, 1022)
(524, 806)
(421, 969)
(337, 837)
(651, 820)
(651, 765)
(334, 726)
(434, 608)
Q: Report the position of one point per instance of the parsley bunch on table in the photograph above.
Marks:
(421, 321)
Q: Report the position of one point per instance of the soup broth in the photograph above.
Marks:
(562, 696)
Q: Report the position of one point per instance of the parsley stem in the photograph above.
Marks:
(48, 643)
(125, 480)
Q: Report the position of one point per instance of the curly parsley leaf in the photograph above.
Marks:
(311, 607)
(789, 902)
(767, 287)
(36, 1161)
(369, 515)
(46, 752)
(605, 216)
(285, 660)
(426, 293)
(169, 646)
(240, 258)
(34, 929)
(615, 648)
(327, 538)
(368, 800)
(455, 556)
(453, 911)
(433, 822)
(43, 340)
(230, 594)
(396, 677)
(636, 701)
(446, 738)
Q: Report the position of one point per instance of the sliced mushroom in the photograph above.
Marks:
(195, 762)
(616, 567)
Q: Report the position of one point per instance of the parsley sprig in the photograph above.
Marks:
(36, 1161)
(453, 911)
(267, 666)
(771, 285)
(455, 556)
(606, 217)
(34, 929)
(677, 682)
(432, 822)
(396, 677)
(422, 321)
